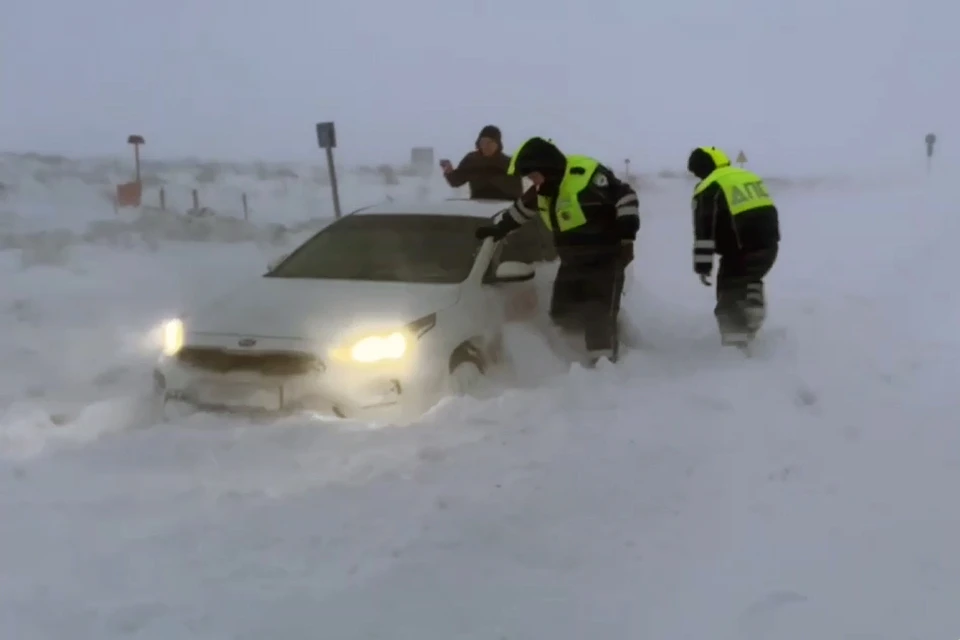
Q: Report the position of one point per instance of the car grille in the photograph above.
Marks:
(266, 363)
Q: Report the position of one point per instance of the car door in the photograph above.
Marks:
(480, 310)
(486, 306)
(519, 300)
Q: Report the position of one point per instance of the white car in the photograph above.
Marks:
(378, 316)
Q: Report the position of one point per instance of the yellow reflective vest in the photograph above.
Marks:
(569, 213)
(744, 190)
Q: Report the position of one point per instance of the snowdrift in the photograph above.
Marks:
(276, 192)
(685, 493)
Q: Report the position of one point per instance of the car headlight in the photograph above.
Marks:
(172, 337)
(386, 346)
(377, 348)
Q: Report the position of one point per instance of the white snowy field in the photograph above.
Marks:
(70, 193)
(684, 493)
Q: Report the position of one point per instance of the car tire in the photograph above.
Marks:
(172, 411)
(464, 378)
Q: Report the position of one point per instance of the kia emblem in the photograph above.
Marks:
(247, 342)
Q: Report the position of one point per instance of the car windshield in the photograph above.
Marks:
(388, 248)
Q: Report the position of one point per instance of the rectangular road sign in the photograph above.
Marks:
(326, 135)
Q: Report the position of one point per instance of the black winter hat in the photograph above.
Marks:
(703, 161)
(492, 132)
(541, 155)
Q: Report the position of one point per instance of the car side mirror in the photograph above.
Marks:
(276, 261)
(514, 272)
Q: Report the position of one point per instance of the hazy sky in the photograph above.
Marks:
(792, 82)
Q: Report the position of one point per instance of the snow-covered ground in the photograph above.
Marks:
(684, 493)
(71, 192)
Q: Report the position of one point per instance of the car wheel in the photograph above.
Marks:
(176, 410)
(464, 378)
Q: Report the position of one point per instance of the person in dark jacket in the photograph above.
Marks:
(594, 218)
(735, 218)
(485, 170)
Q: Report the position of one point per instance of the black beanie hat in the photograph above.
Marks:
(492, 132)
(541, 155)
(700, 163)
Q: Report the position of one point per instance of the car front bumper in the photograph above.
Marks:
(347, 392)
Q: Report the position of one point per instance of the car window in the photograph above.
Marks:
(388, 248)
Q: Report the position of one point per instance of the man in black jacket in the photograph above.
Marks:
(734, 217)
(485, 171)
(594, 218)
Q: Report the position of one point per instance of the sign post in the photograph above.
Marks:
(931, 140)
(136, 141)
(421, 160)
(130, 194)
(741, 158)
(327, 140)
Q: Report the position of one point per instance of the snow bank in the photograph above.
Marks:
(685, 493)
(180, 259)
(38, 189)
(53, 191)
(148, 229)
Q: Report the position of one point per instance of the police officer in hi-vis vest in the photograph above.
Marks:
(734, 217)
(594, 218)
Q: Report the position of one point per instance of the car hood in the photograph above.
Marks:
(318, 310)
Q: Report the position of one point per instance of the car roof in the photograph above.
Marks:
(455, 207)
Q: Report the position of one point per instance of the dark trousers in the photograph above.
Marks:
(741, 303)
(586, 296)
(545, 241)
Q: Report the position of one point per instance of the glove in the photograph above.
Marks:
(626, 252)
(490, 232)
(703, 269)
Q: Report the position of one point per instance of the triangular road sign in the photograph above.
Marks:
(741, 157)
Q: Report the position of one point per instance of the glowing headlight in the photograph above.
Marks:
(394, 345)
(377, 348)
(172, 337)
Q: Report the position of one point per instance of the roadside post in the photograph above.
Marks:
(931, 140)
(327, 140)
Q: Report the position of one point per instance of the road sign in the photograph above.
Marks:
(136, 141)
(327, 140)
(129, 194)
(741, 158)
(326, 135)
(931, 140)
(421, 161)
(421, 157)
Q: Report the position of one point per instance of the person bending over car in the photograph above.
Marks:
(594, 218)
